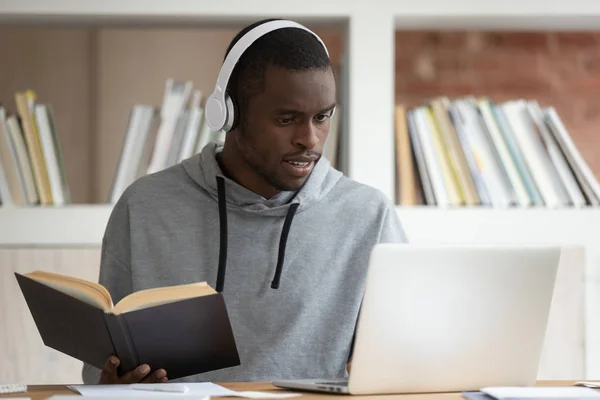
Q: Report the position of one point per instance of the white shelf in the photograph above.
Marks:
(496, 15)
(511, 225)
(69, 226)
(85, 224)
(171, 12)
(435, 14)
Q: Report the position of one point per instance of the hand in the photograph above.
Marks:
(139, 375)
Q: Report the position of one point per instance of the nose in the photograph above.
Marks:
(307, 136)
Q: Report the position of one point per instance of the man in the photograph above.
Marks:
(264, 218)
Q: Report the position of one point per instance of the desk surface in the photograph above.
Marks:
(40, 392)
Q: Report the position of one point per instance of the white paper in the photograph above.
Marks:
(263, 395)
(142, 396)
(588, 384)
(540, 392)
(12, 388)
(196, 390)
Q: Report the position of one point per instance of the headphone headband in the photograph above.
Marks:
(216, 109)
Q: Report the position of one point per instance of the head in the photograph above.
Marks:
(284, 91)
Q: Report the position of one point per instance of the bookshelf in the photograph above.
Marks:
(369, 28)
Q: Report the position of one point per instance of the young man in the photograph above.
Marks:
(264, 218)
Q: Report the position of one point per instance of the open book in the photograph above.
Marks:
(184, 329)
(96, 295)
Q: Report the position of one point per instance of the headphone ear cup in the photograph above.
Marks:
(232, 113)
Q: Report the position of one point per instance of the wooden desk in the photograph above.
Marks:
(40, 392)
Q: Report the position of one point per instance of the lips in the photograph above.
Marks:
(299, 167)
(299, 164)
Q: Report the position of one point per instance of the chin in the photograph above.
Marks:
(290, 185)
(293, 186)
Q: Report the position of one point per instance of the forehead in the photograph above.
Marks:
(302, 90)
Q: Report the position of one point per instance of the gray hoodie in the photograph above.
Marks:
(291, 268)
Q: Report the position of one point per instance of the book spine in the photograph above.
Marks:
(433, 165)
(462, 134)
(506, 160)
(420, 158)
(121, 339)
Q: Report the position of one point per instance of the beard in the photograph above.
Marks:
(271, 175)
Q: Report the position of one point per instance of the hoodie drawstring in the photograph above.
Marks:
(223, 238)
(282, 242)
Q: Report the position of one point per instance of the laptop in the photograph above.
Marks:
(448, 319)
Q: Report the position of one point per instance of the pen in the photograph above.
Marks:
(162, 388)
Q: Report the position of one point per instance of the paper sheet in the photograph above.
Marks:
(12, 388)
(588, 384)
(196, 390)
(542, 392)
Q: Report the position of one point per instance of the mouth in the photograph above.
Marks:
(298, 168)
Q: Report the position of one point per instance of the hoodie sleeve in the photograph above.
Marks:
(115, 268)
(391, 229)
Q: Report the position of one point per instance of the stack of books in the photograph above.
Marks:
(158, 137)
(475, 152)
(31, 165)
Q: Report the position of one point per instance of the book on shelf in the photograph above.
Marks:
(469, 151)
(31, 162)
(159, 137)
(184, 329)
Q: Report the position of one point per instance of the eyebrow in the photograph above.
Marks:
(292, 111)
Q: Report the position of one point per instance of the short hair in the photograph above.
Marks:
(290, 48)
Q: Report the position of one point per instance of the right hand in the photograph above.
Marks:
(139, 375)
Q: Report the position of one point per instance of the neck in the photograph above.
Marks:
(234, 166)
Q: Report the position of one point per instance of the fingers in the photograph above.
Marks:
(159, 376)
(109, 372)
(140, 374)
(136, 375)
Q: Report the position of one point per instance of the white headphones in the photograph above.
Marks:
(219, 109)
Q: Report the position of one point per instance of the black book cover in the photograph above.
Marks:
(185, 337)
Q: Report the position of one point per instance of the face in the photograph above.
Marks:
(285, 126)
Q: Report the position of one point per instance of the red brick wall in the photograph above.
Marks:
(559, 69)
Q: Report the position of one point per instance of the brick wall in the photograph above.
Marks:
(560, 69)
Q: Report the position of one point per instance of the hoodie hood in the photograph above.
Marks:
(205, 170)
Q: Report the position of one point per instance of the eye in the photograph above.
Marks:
(286, 120)
(322, 117)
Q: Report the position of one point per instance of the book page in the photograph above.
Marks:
(157, 296)
(91, 293)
